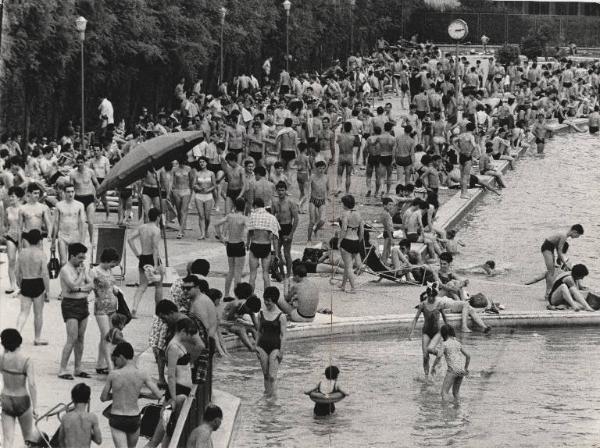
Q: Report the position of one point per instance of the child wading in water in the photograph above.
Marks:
(451, 349)
(327, 385)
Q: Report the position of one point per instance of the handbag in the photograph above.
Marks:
(122, 307)
(53, 265)
(150, 418)
(200, 369)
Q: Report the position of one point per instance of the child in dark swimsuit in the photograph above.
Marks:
(327, 385)
(271, 336)
(431, 310)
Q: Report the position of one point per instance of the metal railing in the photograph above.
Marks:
(507, 27)
(192, 410)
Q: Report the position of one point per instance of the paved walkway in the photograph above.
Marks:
(373, 299)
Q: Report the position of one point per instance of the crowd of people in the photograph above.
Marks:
(262, 139)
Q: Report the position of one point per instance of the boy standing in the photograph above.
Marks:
(319, 192)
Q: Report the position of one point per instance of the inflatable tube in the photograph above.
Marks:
(319, 397)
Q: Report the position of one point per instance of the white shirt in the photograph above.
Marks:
(107, 113)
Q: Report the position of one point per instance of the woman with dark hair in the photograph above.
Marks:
(106, 303)
(204, 186)
(431, 309)
(19, 394)
(181, 191)
(351, 234)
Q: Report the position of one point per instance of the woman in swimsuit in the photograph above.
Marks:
(271, 337)
(183, 180)
(204, 186)
(11, 224)
(236, 225)
(179, 376)
(566, 288)
(351, 235)
(105, 304)
(431, 309)
(19, 395)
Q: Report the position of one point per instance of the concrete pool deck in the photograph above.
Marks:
(376, 308)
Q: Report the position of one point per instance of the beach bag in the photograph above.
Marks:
(150, 418)
(53, 266)
(200, 369)
(122, 307)
(593, 300)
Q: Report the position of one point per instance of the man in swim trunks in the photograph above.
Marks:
(101, 166)
(466, 147)
(235, 136)
(263, 230)
(85, 182)
(68, 223)
(387, 144)
(149, 236)
(302, 300)
(286, 213)
(319, 193)
(33, 214)
(286, 143)
(556, 243)
(540, 131)
(404, 154)
(236, 180)
(345, 142)
(76, 286)
(123, 386)
(80, 427)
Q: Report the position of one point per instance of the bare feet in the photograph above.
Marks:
(466, 330)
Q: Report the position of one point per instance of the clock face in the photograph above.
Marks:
(458, 29)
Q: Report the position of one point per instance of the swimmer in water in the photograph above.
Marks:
(326, 386)
(431, 309)
(451, 349)
(487, 268)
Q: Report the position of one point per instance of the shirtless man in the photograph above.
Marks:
(345, 142)
(286, 213)
(287, 143)
(326, 141)
(33, 214)
(85, 182)
(75, 287)
(594, 120)
(123, 387)
(556, 243)
(101, 166)
(319, 193)
(540, 131)
(79, 427)
(68, 224)
(466, 147)
(235, 137)
(236, 180)
(404, 154)
(372, 151)
(211, 421)
(263, 229)
(302, 301)
(149, 236)
(263, 187)
(387, 145)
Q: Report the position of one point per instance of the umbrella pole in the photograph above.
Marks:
(162, 216)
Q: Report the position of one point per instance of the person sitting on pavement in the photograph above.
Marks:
(568, 290)
(302, 300)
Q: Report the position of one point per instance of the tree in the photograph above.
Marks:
(508, 54)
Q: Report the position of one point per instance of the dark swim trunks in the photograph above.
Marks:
(129, 424)
(463, 159)
(32, 287)
(286, 230)
(151, 192)
(85, 199)
(593, 129)
(233, 194)
(547, 246)
(143, 260)
(540, 140)
(350, 246)
(235, 249)
(260, 250)
(74, 309)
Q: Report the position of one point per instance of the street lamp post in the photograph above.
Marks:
(223, 12)
(287, 5)
(352, 5)
(81, 24)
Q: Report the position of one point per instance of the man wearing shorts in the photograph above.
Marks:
(387, 144)
(540, 131)
(85, 182)
(346, 143)
(123, 386)
(149, 236)
(101, 167)
(76, 286)
(236, 180)
(286, 143)
(404, 151)
(263, 230)
(33, 214)
(68, 224)
(286, 213)
(319, 192)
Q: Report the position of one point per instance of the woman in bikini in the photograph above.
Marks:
(181, 191)
(204, 186)
(351, 234)
(19, 394)
(431, 310)
(11, 224)
(567, 289)
(271, 338)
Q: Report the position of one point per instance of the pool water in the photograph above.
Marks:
(544, 195)
(527, 388)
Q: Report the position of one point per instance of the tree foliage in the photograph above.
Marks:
(508, 54)
(137, 50)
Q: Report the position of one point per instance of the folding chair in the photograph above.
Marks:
(112, 236)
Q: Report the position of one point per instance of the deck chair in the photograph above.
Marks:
(112, 236)
(372, 264)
